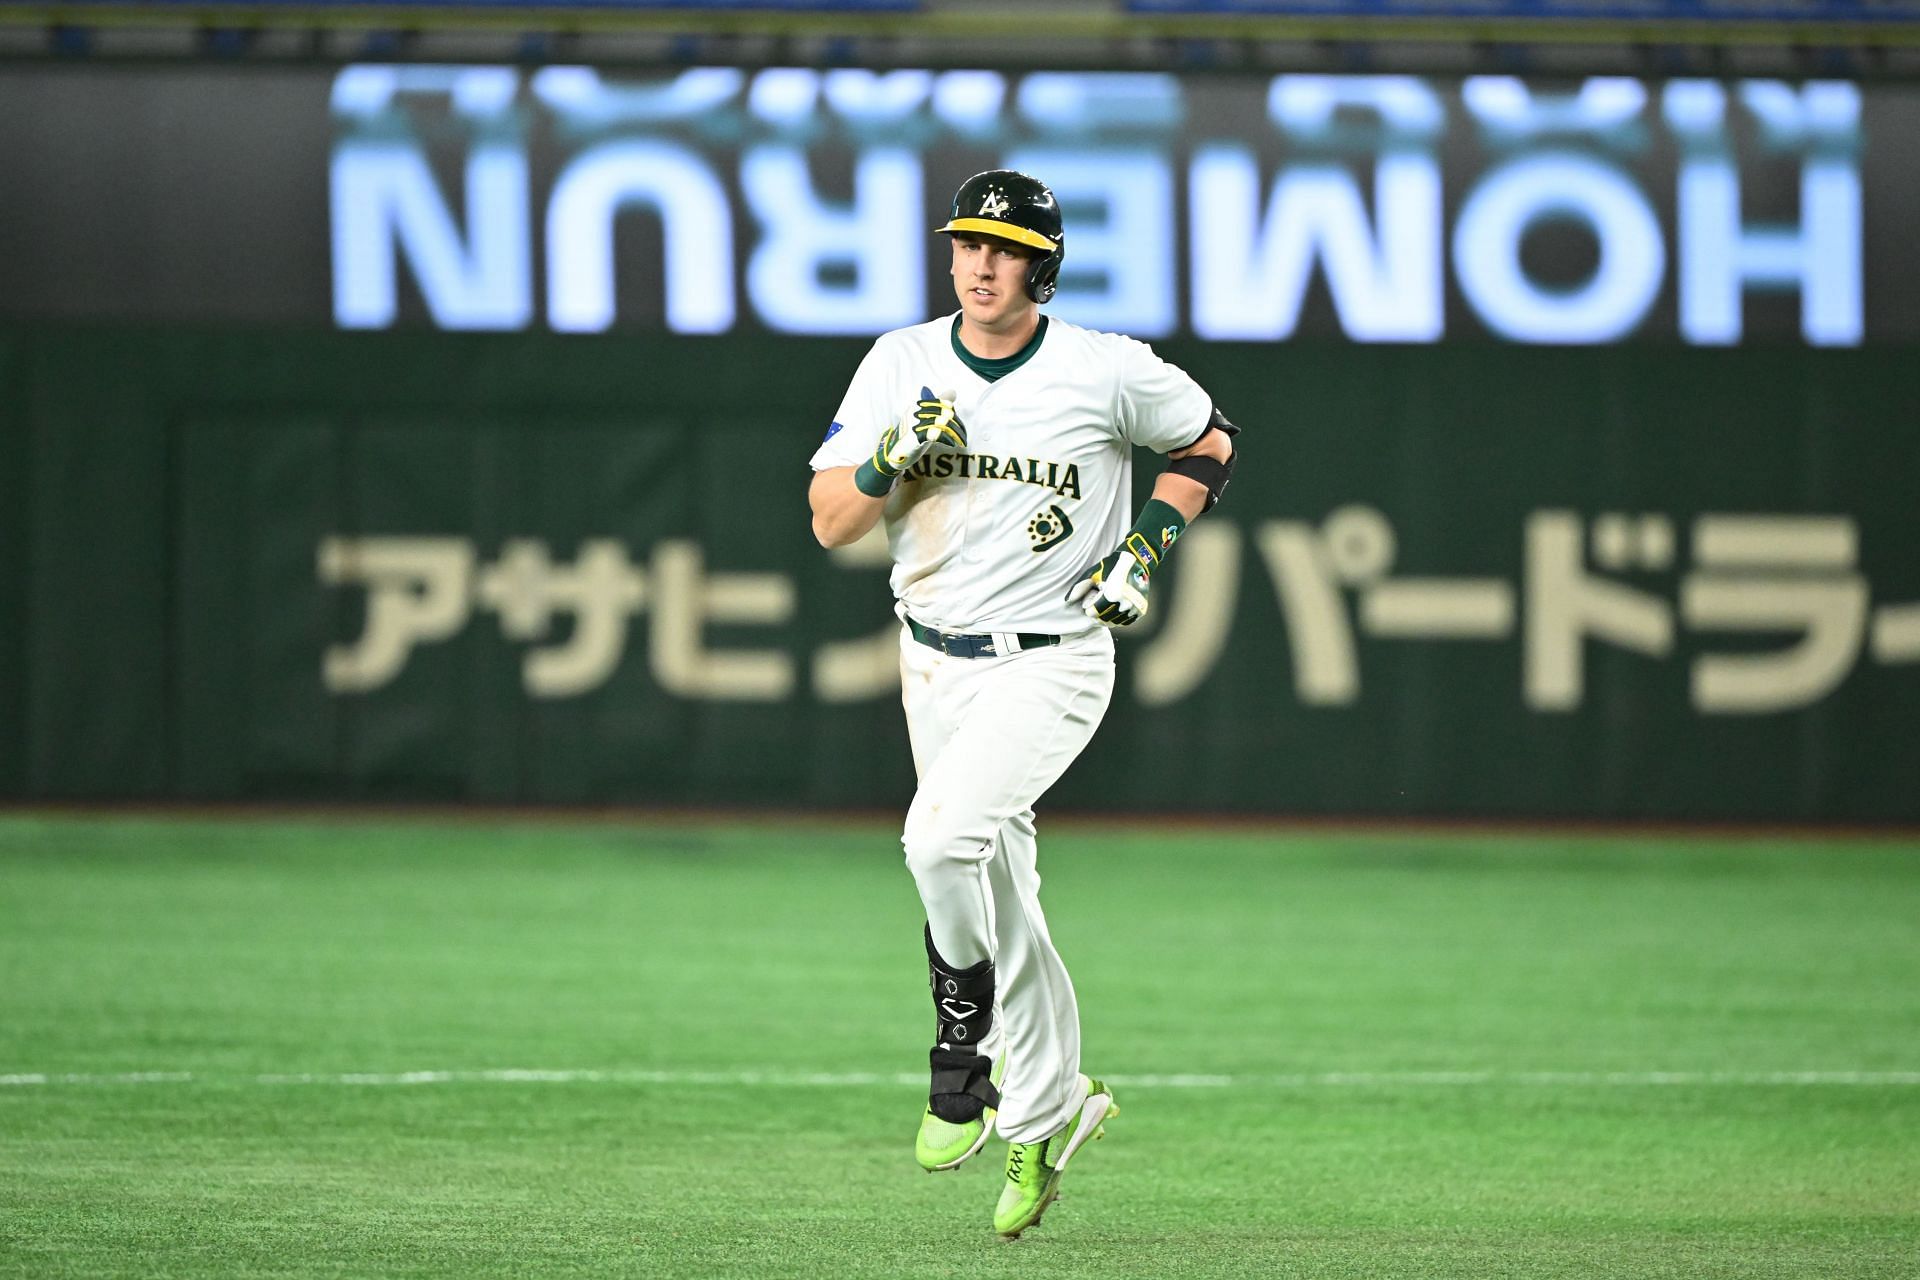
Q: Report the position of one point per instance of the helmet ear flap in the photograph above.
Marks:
(1018, 207)
(1043, 277)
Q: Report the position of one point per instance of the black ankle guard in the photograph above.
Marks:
(962, 1085)
(962, 1000)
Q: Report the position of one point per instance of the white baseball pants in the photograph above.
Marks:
(990, 735)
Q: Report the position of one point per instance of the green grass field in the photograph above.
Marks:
(1336, 1054)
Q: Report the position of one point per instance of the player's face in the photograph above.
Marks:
(990, 277)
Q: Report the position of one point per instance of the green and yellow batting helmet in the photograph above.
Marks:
(1012, 206)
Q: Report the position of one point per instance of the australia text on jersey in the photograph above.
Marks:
(1063, 479)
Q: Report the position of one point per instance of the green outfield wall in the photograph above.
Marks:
(1469, 579)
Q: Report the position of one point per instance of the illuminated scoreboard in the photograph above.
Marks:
(1381, 208)
(715, 200)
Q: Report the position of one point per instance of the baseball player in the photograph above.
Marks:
(996, 445)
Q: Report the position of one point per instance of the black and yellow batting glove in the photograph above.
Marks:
(933, 422)
(1114, 592)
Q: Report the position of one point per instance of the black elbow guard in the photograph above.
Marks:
(1210, 472)
(1218, 422)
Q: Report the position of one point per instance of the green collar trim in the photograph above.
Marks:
(994, 370)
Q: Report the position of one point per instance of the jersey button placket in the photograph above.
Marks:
(977, 443)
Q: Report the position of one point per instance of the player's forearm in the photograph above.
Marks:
(842, 514)
(1188, 497)
(1183, 493)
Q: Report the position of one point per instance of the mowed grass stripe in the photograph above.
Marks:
(265, 1049)
(858, 1080)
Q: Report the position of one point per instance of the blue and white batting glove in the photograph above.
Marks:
(933, 421)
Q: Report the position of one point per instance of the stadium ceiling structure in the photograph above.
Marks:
(1853, 38)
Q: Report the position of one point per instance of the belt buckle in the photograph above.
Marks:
(956, 644)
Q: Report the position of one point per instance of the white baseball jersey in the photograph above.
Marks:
(991, 537)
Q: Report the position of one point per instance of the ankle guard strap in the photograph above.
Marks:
(962, 1085)
(962, 1000)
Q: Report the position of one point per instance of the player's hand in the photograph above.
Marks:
(932, 422)
(1114, 592)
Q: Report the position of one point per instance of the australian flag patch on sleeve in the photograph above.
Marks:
(832, 431)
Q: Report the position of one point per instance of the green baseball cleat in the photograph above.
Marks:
(941, 1144)
(1034, 1169)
